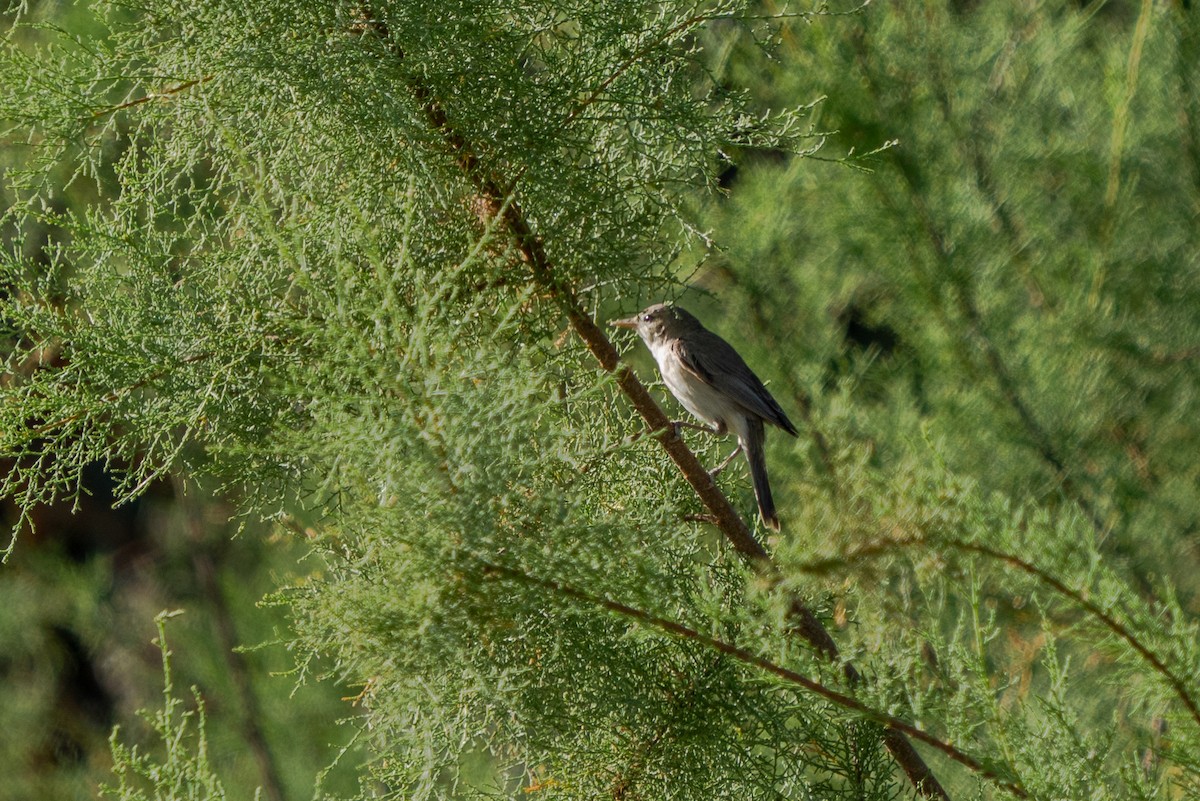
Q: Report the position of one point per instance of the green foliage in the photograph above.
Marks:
(183, 771)
(300, 280)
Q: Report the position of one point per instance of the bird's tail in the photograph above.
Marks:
(753, 444)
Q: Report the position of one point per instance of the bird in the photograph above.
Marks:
(712, 381)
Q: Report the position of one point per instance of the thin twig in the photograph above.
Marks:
(171, 90)
(884, 546)
(116, 394)
(1092, 608)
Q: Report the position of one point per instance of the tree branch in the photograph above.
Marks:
(165, 93)
(1093, 609)
(890, 544)
(675, 629)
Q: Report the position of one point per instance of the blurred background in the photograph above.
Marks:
(78, 653)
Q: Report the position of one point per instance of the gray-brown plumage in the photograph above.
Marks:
(712, 382)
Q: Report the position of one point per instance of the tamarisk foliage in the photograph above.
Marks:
(349, 262)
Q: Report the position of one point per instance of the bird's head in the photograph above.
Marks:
(659, 322)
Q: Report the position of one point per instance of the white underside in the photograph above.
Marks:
(700, 399)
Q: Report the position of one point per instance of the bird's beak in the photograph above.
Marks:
(628, 322)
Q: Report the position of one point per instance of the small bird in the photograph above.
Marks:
(712, 381)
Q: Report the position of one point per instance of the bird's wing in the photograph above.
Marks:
(716, 363)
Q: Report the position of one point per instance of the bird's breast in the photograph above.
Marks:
(700, 398)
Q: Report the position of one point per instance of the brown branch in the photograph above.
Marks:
(498, 202)
(171, 90)
(1108, 620)
(892, 723)
(533, 253)
(888, 545)
(116, 394)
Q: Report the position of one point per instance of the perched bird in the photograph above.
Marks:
(712, 382)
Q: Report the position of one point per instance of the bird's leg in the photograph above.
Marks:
(716, 471)
(679, 424)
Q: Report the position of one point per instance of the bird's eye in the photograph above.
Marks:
(647, 318)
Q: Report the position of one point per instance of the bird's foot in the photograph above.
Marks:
(716, 471)
(689, 424)
(679, 425)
